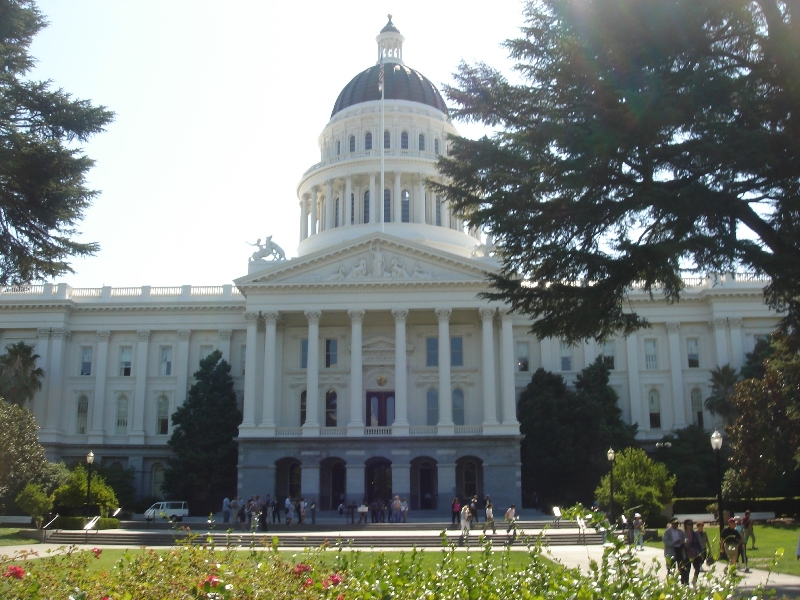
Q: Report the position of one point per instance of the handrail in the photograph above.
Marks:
(44, 529)
(89, 526)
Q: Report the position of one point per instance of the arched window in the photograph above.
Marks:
(83, 415)
(162, 415)
(438, 209)
(330, 409)
(121, 427)
(302, 408)
(366, 206)
(336, 212)
(404, 140)
(405, 206)
(432, 407)
(654, 402)
(338, 147)
(458, 407)
(158, 480)
(387, 139)
(436, 146)
(352, 143)
(387, 206)
(422, 142)
(470, 479)
(697, 407)
(368, 141)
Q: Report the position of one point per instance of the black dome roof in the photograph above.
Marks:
(401, 83)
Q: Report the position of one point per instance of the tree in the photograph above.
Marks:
(72, 495)
(692, 461)
(645, 138)
(21, 455)
(20, 378)
(34, 501)
(723, 382)
(567, 434)
(202, 469)
(638, 482)
(43, 191)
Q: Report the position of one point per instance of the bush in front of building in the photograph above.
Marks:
(72, 523)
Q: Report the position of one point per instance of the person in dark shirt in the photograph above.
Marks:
(732, 542)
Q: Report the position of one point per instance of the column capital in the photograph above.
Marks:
(251, 318)
(43, 332)
(400, 314)
(60, 332)
(673, 326)
(103, 335)
(143, 335)
(183, 334)
(734, 322)
(356, 315)
(443, 314)
(313, 315)
(715, 324)
(487, 313)
(271, 317)
(225, 334)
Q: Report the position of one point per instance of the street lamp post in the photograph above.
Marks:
(89, 463)
(611, 455)
(716, 445)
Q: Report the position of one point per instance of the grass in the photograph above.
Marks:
(769, 538)
(12, 536)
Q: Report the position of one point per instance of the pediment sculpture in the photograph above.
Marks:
(268, 249)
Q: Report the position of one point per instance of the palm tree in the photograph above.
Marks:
(723, 380)
(20, 378)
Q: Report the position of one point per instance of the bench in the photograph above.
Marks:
(695, 517)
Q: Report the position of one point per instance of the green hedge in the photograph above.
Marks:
(80, 523)
(782, 507)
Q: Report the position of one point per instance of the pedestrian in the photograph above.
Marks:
(395, 514)
(262, 514)
(276, 510)
(302, 510)
(743, 547)
(363, 510)
(511, 519)
(269, 506)
(255, 514)
(226, 510)
(241, 514)
(466, 517)
(638, 532)
(673, 544)
(489, 517)
(456, 511)
(287, 504)
(693, 553)
(313, 508)
(473, 508)
(732, 543)
(404, 510)
(747, 527)
(702, 537)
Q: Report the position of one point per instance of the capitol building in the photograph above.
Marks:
(368, 365)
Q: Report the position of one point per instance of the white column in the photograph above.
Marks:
(98, 406)
(487, 356)
(419, 212)
(445, 424)
(634, 387)
(225, 344)
(718, 326)
(249, 407)
(182, 366)
(446, 213)
(397, 215)
(401, 479)
(508, 385)
(355, 483)
(546, 350)
(329, 204)
(446, 475)
(313, 201)
(309, 482)
(400, 426)
(356, 425)
(589, 352)
(55, 420)
(303, 218)
(42, 398)
(737, 346)
(139, 398)
(311, 426)
(373, 200)
(268, 412)
(348, 191)
(676, 377)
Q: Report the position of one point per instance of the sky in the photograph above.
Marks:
(219, 106)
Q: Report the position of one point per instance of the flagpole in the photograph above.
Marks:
(383, 145)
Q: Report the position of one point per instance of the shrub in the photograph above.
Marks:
(34, 502)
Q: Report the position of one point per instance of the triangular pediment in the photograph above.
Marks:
(377, 259)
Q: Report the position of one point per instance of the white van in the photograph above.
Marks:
(173, 510)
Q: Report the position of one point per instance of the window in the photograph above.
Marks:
(352, 208)
(421, 142)
(693, 352)
(352, 143)
(121, 427)
(162, 415)
(650, 355)
(566, 356)
(336, 212)
(436, 146)
(405, 206)
(303, 408)
(438, 209)
(331, 353)
(404, 140)
(458, 407)
(387, 139)
(387, 206)
(654, 402)
(83, 415)
(366, 206)
(125, 354)
(432, 399)
(338, 147)
(86, 360)
(205, 351)
(243, 351)
(165, 361)
(523, 356)
(431, 352)
(609, 348)
(457, 351)
(330, 409)
(368, 141)
(380, 409)
(304, 353)
(697, 407)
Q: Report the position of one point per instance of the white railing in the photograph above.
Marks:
(469, 430)
(694, 281)
(752, 277)
(332, 431)
(378, 431)
(87, 292)
(207, 290)
(289, 431)
(165, 291)
(126, 291)
(422, 430)
(24, 290)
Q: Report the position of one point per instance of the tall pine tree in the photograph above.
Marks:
(202, 469)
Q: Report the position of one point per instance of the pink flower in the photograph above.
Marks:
(97, 552)
(325, 585)
(212, 581)
(14, 571)
(335, 579)
(301, 568)
(340, 597)
(308, 583)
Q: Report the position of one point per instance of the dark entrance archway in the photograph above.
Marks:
(424, 483)
(332, 483)
(378, 479)
(287, 479)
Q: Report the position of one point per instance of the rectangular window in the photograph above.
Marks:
(650, 355)
(83, 415)
(243, 354)
(125, 354)
(162, 416)
(566, 356)
(431, 352)
(86, 360)
(457, 351)
(304, 353)
(609, 348)
(693, 352)
(655, 420)
(523, 356)
(331, 353)
(121, 427)
(165, 361)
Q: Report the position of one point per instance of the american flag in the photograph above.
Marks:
(380, 78)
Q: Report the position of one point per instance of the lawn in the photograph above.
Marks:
(12, 536)
(769, 538)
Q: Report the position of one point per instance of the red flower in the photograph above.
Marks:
(212, 581)
(97, 552)
(340, 597)
(14, 571)
(301, 568)
(308, 583)
(335, 579)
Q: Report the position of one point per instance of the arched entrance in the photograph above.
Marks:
(469, 477)
(287, 479)
(378, 479)
(332, 483)
(424, 483)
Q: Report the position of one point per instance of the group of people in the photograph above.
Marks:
(256, 512)
(379, 510)
(467, 515)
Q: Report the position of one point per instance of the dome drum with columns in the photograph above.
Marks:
(369, 365)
